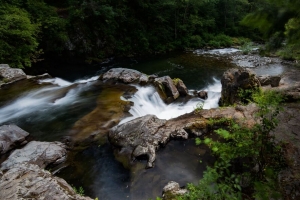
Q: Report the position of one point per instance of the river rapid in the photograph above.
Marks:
(51, 110)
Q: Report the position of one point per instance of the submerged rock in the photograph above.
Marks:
(11, 136)
(8, 74)
(235, 81)
(22, 175)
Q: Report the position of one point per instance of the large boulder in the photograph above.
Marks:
(236, 83)
(124, 75)
(11, 136)
(142, 136)
(182, 89)
(38, 153)
(29, 181)
(22, 175)
(8, 74)
(166, 88)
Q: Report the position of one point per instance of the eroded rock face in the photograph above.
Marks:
(172, 190)
(29, 181)
(202, 94)
(39, 153)
(123, 75)
(235, 80)
(144, 135)
(166, 89)
(11, 136)
(22, 175)
(269, 80)
(182, 89)
(8, 74)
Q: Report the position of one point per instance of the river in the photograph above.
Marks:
(50, 110)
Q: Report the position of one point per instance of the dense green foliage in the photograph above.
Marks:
(96, 29)
(279, 21)
(101, 28)
(247, 158)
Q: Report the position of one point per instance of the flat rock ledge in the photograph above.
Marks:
(10, 75)
(11, 136)
(145, 135)
(22, 175)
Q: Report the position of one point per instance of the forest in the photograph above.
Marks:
(97, 29)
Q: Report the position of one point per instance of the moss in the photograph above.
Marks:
(176, 81)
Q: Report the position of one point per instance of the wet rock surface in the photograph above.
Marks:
(233, 82)
(182, 89)
(172, 190)
(254, 60)
(124, 75)
(144, 135)
(23, 177)
(38, 153)
(269, 80)
(202, 94)
(11, 136)
(29, 181)
(166, 88)
(8, 74)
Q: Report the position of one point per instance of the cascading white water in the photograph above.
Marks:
(45, 99)
(147, 101)
(61, 93)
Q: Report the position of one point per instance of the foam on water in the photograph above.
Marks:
(217, 51)
(45, 99)
(147, 101)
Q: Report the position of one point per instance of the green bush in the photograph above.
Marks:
(18, 36)
(238, 150)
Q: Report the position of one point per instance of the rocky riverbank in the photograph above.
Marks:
(142, 137)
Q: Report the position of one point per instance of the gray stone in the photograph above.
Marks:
(39, 77)
(144, 79)
(182, 89)
(8, 74)
(29, 181)
(166, 89)
(269, 80)
(233, 82)
(143, 135)
(11, 136)
(202, 94)
(39, 153)
(172, 189)
(122, 74)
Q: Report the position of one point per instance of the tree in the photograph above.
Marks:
(18, 36)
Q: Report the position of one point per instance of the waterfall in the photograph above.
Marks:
(147, 101)
(44, 100)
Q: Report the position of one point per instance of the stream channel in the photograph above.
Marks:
(49, 111)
